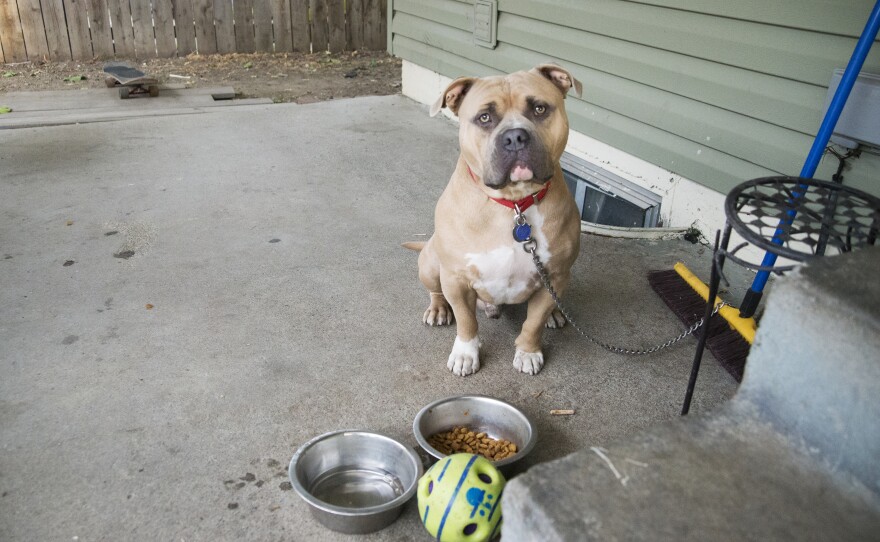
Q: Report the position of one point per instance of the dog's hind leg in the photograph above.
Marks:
(491, 310)
(556, 320)
(438, 313)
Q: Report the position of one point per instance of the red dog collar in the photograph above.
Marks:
(520, 205)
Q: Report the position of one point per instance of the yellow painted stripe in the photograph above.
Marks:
(744, 326)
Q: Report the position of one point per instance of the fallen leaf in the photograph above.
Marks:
(149, 306)
(9, 74)
(5, 109)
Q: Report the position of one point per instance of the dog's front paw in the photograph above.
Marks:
(439, 313)
(529, 363)
(556, 320)
(465, 357)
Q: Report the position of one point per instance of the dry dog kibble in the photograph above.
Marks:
(465, 440)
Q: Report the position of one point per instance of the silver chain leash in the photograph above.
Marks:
(531, 246)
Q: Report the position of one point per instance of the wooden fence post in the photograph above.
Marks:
(183, 26)
(56, 30)
(206, 36)
(163, 20)
(244, 25)
(142, 26)
(374, 25)
(263, 39)
(336, 25)
(78, 29)
(123, 33)
(12, 40)
(33, 29)
(99, 25)
(318, 9)
(299, 17)
(355, 26)
(281, 25)
(223, 24)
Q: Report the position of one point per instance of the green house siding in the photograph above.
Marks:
(717, 92)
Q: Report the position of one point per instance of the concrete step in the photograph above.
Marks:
(793, 456)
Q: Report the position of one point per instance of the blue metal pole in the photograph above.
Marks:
(753, 296)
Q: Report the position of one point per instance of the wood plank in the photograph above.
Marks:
(299, 26)
(56, 30)
(184, 28)
(223, 24)
(142, 25)
(123, 33)
(78, 29)
(163, 21)
(382, 38)
(33, 29)
(320, 37)
(374, 24)
(355, 27)
(336, 25)
(263, 39)
(99, 25)
(281, 26)
(12, 39)
(206, 36)
(244, 26)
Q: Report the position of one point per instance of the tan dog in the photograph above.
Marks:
(513, 131)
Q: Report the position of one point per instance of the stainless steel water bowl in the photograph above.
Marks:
(497, 418)
(355, 481)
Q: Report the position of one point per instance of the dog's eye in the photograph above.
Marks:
(540, 110)
(485, 118)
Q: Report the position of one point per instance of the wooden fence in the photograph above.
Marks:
(85, 29)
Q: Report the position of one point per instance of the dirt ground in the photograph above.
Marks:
(286, 77)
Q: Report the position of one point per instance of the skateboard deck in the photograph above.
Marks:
(131, 81)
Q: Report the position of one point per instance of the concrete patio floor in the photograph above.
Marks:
(237, 287)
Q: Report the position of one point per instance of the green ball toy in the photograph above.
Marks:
(460, 499)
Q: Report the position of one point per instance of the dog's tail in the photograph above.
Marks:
(414, 245)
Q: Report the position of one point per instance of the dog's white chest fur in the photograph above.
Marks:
(507, 273)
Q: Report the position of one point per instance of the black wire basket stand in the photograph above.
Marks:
(795, 218)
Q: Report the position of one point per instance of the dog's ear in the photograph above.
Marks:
(559, 76)
(453, 95)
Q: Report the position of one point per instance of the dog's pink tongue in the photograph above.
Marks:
(521, 173)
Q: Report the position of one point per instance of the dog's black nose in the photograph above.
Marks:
(515, 139)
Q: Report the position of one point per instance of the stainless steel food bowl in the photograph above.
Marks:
(355, 481)
(497, 418)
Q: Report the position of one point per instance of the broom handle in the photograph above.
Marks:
(753, 295)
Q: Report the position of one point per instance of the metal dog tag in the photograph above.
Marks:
(522, 232)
